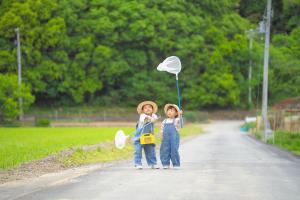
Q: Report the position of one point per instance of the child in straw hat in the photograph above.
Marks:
(170, 137)
(146, 110)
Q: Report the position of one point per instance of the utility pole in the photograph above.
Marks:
(251, 35)
(19, 72)
(266, 66)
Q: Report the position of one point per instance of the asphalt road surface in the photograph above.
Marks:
(223, 163)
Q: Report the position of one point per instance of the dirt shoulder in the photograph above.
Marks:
(50, 164)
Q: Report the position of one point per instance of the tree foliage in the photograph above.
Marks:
(106, 52)
(9, 95)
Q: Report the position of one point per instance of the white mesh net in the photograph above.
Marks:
(171, 64)
(120, 139)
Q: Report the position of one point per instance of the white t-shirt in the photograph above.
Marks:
(146, 118)
(176, 122)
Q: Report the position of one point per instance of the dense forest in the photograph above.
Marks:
(105, 52)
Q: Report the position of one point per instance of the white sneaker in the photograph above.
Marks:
(166, 167)
(154, 167)
(176, 167)
(138, 167)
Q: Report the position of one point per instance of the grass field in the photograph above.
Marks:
(20, 145)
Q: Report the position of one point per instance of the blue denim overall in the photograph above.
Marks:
(170, 145)
(149, 149)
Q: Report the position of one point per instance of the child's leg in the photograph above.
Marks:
(150, 154)
(165, 151)
(137, 147)
(175, 158)
(137, 153)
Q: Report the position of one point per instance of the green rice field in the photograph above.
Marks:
(19, 145)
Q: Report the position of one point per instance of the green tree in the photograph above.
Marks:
(9, 94)
(106, 52)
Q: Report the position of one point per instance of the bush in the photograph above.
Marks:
(258, 135)
(42, 122)
(247, 126)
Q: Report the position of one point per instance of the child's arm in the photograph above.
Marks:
(142, 119)
(146, 118)
(152, 118)
(177, 123)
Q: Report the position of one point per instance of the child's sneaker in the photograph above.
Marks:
(176, 167)
(138, 167)
(154, 167)
(166, 167)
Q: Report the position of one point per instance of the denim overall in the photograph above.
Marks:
(169, 146)
(149, 149)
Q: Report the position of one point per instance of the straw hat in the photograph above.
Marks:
(141, 105)
(172, 105)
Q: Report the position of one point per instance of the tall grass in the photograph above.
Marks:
(289, 141)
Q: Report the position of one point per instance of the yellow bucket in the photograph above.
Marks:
(147, 138)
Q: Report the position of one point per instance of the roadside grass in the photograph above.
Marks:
(289, 141)
(99, 155)
(285, 140)
(190, 130)
(22, 145)
(110, 153)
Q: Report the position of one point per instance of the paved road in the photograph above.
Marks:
(222, 164)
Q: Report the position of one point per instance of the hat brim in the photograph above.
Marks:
(172, 105)
(141, 105)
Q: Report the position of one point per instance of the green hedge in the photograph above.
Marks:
(43, 122)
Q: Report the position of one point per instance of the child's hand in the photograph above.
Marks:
(147, 119)
(150, 119)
